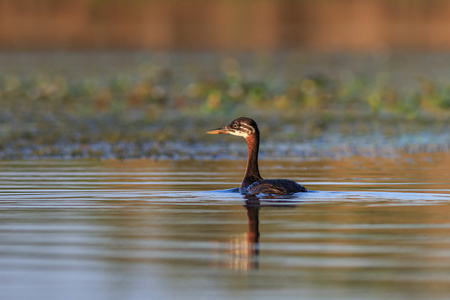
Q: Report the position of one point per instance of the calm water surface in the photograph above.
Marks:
(373, 228)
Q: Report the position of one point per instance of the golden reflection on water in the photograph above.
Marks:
(427, 172)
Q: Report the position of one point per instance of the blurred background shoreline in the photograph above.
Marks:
(126, 79)
(245, 25)
(158, 105)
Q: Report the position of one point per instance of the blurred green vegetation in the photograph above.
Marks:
(79, 101)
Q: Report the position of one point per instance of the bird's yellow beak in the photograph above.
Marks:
(223, 130)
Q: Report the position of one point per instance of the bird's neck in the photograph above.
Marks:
(252, 171)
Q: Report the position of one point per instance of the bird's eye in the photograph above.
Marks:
(235, 126)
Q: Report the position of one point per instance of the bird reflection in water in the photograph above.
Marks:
(244, 249)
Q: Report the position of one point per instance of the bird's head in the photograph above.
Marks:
(243, 126)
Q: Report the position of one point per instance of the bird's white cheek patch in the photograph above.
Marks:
(239, 133)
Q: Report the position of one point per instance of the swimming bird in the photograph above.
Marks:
(253, 183)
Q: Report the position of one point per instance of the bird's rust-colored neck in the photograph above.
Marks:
(252, 171)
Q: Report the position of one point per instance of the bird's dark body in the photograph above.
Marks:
(273, 186)
(253, 183)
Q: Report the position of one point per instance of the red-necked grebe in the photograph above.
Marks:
(253, 183)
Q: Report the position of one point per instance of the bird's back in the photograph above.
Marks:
(274, 187)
